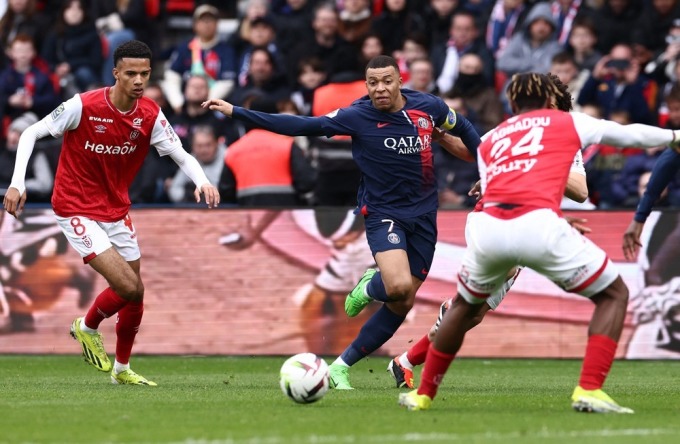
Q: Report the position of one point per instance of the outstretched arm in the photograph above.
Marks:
(286, 124)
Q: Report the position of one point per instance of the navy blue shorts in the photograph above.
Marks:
(417, 236)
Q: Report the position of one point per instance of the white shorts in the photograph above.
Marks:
(540, 240)
(91, 238)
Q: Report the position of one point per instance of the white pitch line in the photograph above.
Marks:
(438, 437)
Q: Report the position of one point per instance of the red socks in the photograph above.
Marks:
(598, 360)
(105, 305)
(127, 326)
(436, 365)
(418, 352)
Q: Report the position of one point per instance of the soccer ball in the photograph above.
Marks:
(304, 378)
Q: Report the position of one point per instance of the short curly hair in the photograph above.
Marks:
(133, 49)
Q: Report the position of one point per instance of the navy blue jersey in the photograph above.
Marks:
(393, 150)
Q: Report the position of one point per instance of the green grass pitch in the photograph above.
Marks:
(213, 400)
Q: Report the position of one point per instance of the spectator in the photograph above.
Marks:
(114, 29)
(616, 84)
(293, 22)
(263, 79)
(311, 76)
(283, 174)
(533, 48)
(206, 148)
(651, 28)
(395, 22)
(615, 20)
(415, 48)
(262, 35)
(254, 9)
(39, 174)
(421, 77)
(582, 42)
(566, 13)
(70, 52)
(355, 20)
(204, 54)
(23, 86)
(507, 16)
(625, 189)
(662, 67)
(464, 39)
(565, 68)
(196, 91)
(438, 16)
(369, 47)
(21, 17)
(479, 97)
(326, 44)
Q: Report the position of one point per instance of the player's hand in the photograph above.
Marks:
(225, 108)
(13, 202)
(578, 224)
(212, 196)
(476, 190)
(631, 239)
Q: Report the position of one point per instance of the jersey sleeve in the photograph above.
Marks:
(342, 121)
(591, 130)
(335, 123)
(65, 117)
(442, 115)
(577, 165)
(163, 137)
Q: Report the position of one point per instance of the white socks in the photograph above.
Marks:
(85, 328)
(118, 367)
(339, 361)
(403, 360)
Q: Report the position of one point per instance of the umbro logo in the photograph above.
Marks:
(382, 124)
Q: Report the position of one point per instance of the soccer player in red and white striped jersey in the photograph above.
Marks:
(107, 134)
(524, 164)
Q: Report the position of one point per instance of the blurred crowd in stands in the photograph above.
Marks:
(619, 58)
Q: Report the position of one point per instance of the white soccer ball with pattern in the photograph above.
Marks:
(304, 378)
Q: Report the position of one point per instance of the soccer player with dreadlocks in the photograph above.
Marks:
(523, 165)
(401, 367)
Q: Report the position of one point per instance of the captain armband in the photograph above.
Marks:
(451, 119)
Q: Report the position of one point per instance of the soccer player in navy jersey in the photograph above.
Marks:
(392, 130)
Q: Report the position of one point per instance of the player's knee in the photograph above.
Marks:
(399, 290)
(131, 291)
